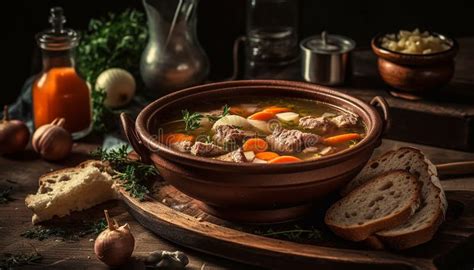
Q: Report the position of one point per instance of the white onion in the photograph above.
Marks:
(119, 85)
(288, 116)
(260, 125)
(232, 120)
(257, 160)
(249, 155)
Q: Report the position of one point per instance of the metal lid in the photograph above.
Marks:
(57, 38)
(328, 44)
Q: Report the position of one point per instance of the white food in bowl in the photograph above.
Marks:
(414, 42)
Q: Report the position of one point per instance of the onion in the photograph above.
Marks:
(52, 141)
(115, 245)
(119, 85)
(260, 125)
(288, 116)
(249, 155)
(14, 135)
(232, 120)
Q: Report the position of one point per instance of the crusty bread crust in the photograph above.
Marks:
(419, 236)
(413, 238)
(362, 232)
(82, 165)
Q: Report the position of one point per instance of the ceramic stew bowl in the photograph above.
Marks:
(416, 73)
(250, 192)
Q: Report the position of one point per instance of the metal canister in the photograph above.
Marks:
(326, 58)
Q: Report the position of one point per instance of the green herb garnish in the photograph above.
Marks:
(132, 173)
(8, 260)
(225, 111)
(5, 195)
(192, 121)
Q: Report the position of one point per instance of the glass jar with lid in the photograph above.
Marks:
(59, 91)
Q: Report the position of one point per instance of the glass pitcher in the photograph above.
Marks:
(173, 58)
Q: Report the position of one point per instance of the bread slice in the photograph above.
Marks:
(384, 202)
(72, 189)
(421, 227)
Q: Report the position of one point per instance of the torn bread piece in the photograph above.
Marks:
(71, 189)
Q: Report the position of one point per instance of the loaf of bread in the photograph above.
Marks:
(421, 227)
(384, 202)
(72, 189)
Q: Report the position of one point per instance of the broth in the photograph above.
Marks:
(268, 130)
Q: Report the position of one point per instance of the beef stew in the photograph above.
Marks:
(262, 130)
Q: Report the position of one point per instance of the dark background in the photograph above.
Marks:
(221, 21)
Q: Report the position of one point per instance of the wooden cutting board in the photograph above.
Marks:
(176, 217)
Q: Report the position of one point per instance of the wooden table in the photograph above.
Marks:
(22, 172)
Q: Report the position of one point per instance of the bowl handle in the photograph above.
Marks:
(380, 101)
(128, 127)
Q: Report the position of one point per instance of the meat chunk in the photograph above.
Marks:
(321, 123)
(234, 156)
(228, 134)
(345, 120)
(206, 149)
(321, 149)
(182, 146)
(291, 141)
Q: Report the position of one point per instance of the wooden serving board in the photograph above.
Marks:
(176, 217)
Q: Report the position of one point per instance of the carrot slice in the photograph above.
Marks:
(264, 116)
(255, 144)
(275, 109)
(176, 137)
(341, 138)
(266, 155)
(284, 159)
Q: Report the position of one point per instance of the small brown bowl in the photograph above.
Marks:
(416, 73)
(250, 192)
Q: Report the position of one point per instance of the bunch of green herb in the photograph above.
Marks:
(41, 233)
(99, 111)
(132, 173)
(113, 42)
(8, 260)
(192, 121)
(294, 234)
(5, 195)
(71, 234)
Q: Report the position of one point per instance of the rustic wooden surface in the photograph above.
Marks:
(22, 172)
(178, 218)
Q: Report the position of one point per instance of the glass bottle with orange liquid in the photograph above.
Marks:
(59, 91)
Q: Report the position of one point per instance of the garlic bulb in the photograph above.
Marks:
(114, 246)
(119, 85)
(163, 259)
(52, 141)
(14, 134)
